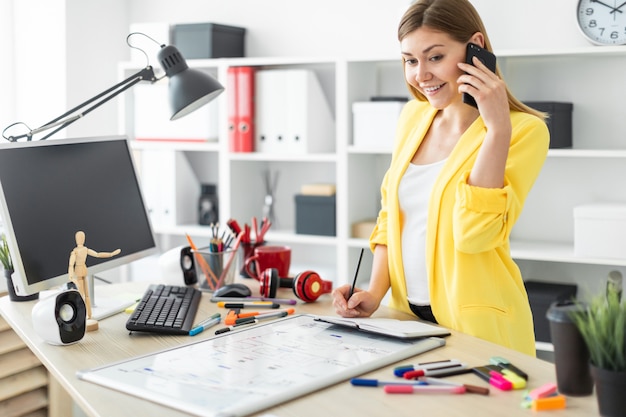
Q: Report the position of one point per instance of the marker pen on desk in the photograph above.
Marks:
(259, 313)
(232, 318)
(255, 304)
(262, 317)
(211, 317)
(401, 370)
(500, 383)
(287, 301)
(204, 325)
(471, 389)
(517, 381)
(426, 389)
(497, 360)
(445, 371)
(546, 390)
(366, 382)
(233, 327)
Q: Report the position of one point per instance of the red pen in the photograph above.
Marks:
(265, 225)
(255, 228)
(234, 226)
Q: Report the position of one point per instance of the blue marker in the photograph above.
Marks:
(211, 321)
(364, 382)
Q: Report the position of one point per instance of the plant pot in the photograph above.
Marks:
(610, 390)
(12, 295)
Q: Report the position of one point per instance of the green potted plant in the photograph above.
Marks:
(602, 326)
(7, 266)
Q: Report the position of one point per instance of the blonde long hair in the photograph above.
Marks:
(460, 20)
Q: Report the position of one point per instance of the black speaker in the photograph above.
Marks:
(188, 266)
(61, 318)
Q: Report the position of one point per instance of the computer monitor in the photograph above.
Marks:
(52, 189)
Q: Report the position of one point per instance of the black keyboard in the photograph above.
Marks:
(165, 309)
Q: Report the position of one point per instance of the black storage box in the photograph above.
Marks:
(559, 123)
(208, 40)
(315, 215)
(541, 295)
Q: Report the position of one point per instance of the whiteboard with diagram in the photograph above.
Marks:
(245, 371)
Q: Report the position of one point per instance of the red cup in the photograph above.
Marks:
(278, 257)
(246, 250)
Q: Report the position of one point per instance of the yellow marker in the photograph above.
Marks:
(131, 309)
(517, 381)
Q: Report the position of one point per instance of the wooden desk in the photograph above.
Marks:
(112, 343)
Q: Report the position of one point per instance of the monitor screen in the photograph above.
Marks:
(52, 189)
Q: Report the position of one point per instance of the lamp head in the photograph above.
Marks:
(189, 89)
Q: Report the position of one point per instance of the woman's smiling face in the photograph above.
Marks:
(430, 65)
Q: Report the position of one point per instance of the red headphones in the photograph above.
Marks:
(307, 285)
(269, 281)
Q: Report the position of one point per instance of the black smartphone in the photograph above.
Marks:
(486, 58)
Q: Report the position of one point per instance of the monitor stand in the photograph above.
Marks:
(106, 306)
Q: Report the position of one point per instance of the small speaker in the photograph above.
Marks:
(188, 266)
(61, 318)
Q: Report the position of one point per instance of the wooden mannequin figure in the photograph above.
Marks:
(77, 272)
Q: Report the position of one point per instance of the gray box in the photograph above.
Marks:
(315, 215)
(208, 40)
(559, 123)
(541, 295)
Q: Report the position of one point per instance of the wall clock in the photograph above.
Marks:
(603, 22)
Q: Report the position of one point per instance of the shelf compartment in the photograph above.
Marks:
(556, 252)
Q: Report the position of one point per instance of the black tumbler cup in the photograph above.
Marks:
(571, 356)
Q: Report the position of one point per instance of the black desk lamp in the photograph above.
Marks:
(189, 89)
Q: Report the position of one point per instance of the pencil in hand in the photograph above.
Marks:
(356, 274)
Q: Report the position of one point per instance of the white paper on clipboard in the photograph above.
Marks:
(245, 371)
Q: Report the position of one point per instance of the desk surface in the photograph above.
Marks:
(112, 342)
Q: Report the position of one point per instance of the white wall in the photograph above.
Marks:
(357, 28)
(68, 50)
(28, 47)
(96, 42)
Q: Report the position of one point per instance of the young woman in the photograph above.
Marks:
(456, 185)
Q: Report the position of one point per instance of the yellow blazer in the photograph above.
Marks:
(475, 286)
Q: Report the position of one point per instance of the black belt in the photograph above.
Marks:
(423, 312)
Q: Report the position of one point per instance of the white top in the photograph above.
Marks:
(414, 194)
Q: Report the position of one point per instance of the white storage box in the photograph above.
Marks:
(600, 230)
(375, 123)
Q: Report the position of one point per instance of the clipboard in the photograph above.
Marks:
(242, 372)
(401, 329)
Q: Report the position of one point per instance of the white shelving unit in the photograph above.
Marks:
(589, 77)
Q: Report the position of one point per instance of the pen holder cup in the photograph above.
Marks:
(215, 269)
(246, 250)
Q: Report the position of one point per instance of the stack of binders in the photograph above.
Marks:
(292, 113)
(240, 86)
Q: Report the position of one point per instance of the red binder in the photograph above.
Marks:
(245, 109)
(231, 89)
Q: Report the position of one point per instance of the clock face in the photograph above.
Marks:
(603, 22)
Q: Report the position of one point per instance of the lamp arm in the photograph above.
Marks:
(64, 120)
